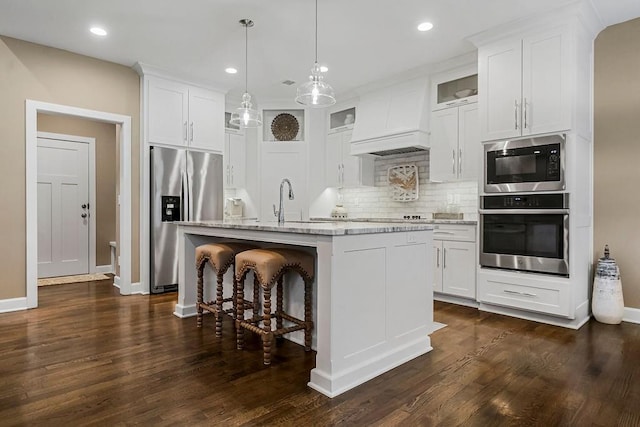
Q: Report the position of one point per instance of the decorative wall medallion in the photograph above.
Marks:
(403, 181)
(285, 127)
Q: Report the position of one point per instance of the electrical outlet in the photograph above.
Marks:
(411, 237)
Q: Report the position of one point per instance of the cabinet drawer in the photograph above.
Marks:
(465, 233)
(526, 294)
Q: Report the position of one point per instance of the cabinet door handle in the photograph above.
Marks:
(438, 257)
(342, 173)
(453, 161)
(444, 258)
(515, 109)
(228, 180)
(525, 294)
(185, 131)
(459, 162)
(232, 177)
(525, 112)
(191, 131)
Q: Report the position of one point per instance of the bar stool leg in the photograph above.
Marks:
(256, 298)
(240, 313)
(234, 296)
(200, 293)
(308, 320)
(267, 335)
(219, 303)
(279, 306)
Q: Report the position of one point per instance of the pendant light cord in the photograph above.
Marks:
(246, 56)
(316, 30)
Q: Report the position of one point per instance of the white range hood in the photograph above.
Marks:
(393, 120)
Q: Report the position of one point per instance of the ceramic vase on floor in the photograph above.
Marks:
(607, 303)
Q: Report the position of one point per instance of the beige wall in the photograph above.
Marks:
(30, 71)
(104, 213)
(617, 151)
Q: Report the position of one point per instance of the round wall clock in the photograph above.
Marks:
(285, 127)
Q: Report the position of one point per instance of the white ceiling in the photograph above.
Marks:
(361, 41)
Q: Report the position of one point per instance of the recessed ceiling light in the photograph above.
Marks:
(230, 70)
(98, 31)
(425, 26)
(324, 68)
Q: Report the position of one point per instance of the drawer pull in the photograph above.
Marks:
(524, 294)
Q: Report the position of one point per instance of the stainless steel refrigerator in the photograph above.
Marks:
(185, 186)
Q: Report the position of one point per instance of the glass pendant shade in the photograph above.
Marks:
(315, 92)
(245, 116)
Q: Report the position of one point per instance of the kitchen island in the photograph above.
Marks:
(373, 297)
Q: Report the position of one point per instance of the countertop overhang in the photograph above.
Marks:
(320, 227)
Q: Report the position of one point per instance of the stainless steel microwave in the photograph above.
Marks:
(520, 165)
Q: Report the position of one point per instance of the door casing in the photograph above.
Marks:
(32, 108)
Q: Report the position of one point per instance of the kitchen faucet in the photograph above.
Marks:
(280, 213)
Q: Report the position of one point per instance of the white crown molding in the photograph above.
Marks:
(581, 10)
(144, 70)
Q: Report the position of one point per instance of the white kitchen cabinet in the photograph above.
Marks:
(235, 160)
(455, 144)
(280, 160)
(343, 169)
(182, 115)
(525, 86)
(454, 252)
(455, 87)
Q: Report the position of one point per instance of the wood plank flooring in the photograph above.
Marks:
(89, 356)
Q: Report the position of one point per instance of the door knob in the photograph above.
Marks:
(84, 206)
(84, 215)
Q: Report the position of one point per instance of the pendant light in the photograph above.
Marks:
(245, 116)
(315, 92)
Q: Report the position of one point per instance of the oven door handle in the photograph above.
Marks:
(525, 211)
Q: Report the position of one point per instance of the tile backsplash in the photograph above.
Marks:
(376, 202)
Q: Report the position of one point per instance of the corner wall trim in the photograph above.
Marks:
(631, 315)
(13, 304)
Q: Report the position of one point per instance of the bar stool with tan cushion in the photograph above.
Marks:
(269, 266)
(220, 256)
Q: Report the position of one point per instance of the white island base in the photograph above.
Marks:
(374, 301)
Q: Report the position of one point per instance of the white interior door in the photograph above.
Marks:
(63, 208)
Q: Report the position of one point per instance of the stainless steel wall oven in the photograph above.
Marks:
(526, 232)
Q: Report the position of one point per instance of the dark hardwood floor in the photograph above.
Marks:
(90, 356)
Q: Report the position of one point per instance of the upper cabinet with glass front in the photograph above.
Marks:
(454, 88)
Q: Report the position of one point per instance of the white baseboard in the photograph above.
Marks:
(582, 315)
(13, 304)
(136, 288)
(116, 281)
(104, 269)
(631, 315)
(183, 311)
(455, 300)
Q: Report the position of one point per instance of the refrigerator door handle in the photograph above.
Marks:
(185, 197)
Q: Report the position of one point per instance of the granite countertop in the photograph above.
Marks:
(321, 227)
(403, 221)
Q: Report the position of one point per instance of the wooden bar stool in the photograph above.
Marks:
(269, 267)
(220, 256)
